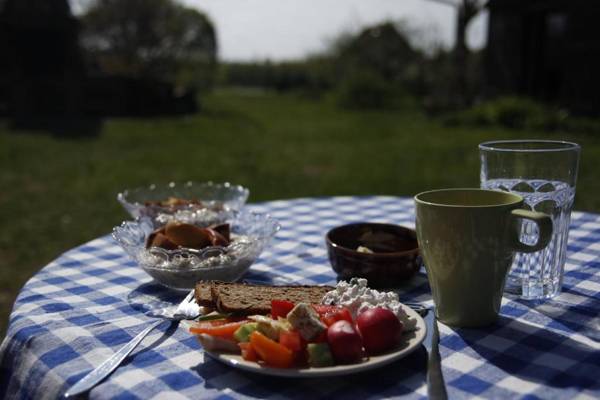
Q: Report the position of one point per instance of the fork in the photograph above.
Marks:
(187, 309)
(419, 308)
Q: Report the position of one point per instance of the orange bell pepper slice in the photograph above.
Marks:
(221, 330)
(271, 352)
(248, 352)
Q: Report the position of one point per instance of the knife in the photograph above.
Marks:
(436, 388)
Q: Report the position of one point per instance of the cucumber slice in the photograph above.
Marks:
(242, 334)
(319, 355)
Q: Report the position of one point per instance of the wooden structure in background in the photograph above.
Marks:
(43, 79)
(43, 67)
(546, 49)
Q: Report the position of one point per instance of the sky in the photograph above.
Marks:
(249, 30)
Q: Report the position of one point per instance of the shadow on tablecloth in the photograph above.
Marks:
(532, 353)
(153, 296)
(398, 378)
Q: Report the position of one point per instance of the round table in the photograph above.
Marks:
(78, 310)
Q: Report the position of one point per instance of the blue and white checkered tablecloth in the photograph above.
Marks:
(82, 307)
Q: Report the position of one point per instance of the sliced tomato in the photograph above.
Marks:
(331, 314)
(271, 352)
(292, 340)
(248, 352)
(280, 308)
(224, 330)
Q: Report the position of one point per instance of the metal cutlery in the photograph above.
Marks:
(436, 388)
(187, 309)
(419, 308)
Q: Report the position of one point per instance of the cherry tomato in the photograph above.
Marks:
(345, 342)
(380, 329)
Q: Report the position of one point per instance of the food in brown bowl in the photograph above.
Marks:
(177, 234)
(385, 254)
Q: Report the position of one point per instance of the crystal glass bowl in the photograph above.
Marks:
(182, 268)
(218, 200)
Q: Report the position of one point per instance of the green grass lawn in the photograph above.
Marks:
(58, 193)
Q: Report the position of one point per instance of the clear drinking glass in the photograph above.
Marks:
(544, 173)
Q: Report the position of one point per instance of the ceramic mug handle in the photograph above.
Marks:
(544, 223)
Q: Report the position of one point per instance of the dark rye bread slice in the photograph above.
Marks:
(256, 299)
(203, 295)
(243, 298)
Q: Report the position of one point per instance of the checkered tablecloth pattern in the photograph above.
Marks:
(81, 308)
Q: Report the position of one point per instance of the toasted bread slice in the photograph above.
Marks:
(203, 294)
(242, 298)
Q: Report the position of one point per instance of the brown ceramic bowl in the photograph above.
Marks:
(395, 256)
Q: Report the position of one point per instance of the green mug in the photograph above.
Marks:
(468, 239)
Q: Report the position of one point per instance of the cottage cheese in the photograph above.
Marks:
(358, 297)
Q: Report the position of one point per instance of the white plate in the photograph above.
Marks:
(410, 342)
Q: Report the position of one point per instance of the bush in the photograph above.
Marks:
(150, 39)
(362, 90)
(367, 90)
(521, 113)
(310, 75)
(510, 112)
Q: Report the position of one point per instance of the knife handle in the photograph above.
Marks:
(436, 388)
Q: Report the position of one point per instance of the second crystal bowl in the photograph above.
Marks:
(207, 202)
